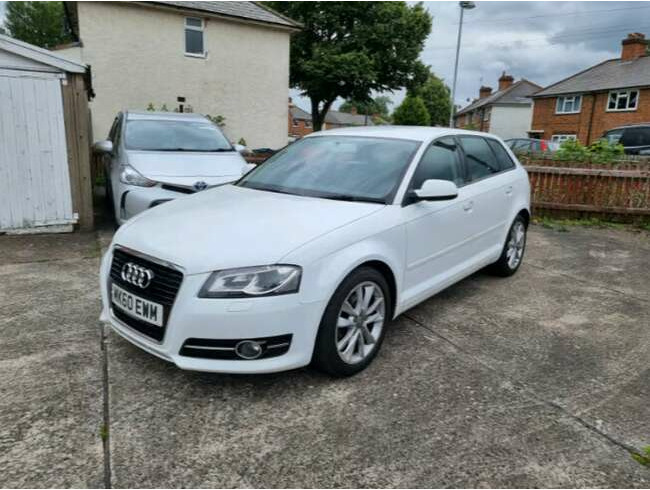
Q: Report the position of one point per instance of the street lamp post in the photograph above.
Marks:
(463, 6)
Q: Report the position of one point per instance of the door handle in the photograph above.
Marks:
(509, 190)
(468, 206)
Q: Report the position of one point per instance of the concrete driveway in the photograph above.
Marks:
(540, 380)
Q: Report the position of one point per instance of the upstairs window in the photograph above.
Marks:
(568, 105)
(194, 36)
(623, 100)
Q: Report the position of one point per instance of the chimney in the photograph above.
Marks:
(634, 46)
(353, 110)
(484, 92)
(505, 81)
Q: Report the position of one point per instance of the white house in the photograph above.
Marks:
(218, 58)
(507, 112)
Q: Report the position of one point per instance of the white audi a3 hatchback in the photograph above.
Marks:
(309, 257)
(154, 157)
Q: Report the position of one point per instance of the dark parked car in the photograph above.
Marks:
(635, 139)
(531, 145)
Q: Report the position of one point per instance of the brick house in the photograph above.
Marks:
(506, 112)
(613, 93)
(300, 123)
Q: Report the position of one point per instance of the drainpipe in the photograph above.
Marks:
(591, 116)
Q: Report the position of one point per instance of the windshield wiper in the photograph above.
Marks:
(192, 150)
(346, 197)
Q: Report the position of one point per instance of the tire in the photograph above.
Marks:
(506, 266)
(327, 356)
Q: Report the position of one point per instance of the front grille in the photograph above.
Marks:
(225, 348)
(178, 188)
(163, 290)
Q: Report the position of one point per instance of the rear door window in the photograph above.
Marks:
(479, 157)
(636, 137)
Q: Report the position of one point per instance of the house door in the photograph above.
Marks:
(34, 176)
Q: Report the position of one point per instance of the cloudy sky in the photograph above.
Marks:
(541, 41)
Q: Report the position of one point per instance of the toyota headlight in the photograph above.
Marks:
(248, 282)
(129, 175)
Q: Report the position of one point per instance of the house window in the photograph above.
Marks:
(561, 138)
(486, 115)
(307, 124)
(568, 105)
(194, 36)
(294, 122)
(623, 100)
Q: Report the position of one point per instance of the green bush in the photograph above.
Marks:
(600, 151)
(412, 112)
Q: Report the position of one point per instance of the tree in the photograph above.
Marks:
(411, 112)
(377, 106)
(39, 23)
(349, 49)
(437, 99)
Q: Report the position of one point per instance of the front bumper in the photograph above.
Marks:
(192, 317)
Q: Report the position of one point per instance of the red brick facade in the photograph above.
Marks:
(592, 120)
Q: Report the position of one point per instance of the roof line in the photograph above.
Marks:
(299, 25)
(41, 55)
(571, 76)
(503, 93)
(240, 18)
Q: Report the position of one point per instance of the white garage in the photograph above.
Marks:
(44, 141)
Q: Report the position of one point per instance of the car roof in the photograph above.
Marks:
(638, 125)
(416, 133)
(163, 116)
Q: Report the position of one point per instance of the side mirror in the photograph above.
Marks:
(103, 147)
(436, 190)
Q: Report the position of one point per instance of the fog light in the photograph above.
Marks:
(248, 349)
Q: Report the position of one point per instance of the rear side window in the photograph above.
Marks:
(504, 160)
(481, 161)
(614, 136)
(521, 145)
(636, 137)
(440, 161)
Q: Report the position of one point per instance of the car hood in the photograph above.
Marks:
(232, 226)
(160, 165)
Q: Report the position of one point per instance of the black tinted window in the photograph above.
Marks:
(480, 159)
(504, 160)
(440, 161)
(636, 137)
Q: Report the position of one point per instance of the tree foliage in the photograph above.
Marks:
(39, 23)
(377, 106)
(412, 112)
(349, 49)
(437, 99)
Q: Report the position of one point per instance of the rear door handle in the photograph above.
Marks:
(468, 206)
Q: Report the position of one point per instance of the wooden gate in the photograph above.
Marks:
(34, 175)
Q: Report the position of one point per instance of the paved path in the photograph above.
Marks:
(540, 380)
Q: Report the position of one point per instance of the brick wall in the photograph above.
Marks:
(301, 129)
(544, 117)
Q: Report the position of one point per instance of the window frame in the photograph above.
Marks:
(567, 136)
(563, 99)
(462, 150)
(200, 29)
(627, 93)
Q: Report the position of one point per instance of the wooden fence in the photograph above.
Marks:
(615, 190)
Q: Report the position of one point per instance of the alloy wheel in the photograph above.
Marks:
(516, 243)
(360, 322)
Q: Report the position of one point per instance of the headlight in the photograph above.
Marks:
(129, 175)
(247, 282)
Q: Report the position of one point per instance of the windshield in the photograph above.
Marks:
(336, 167)
(166, 135)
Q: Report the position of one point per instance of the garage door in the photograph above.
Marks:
(34, 178)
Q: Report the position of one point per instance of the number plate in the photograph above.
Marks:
(136, 307)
